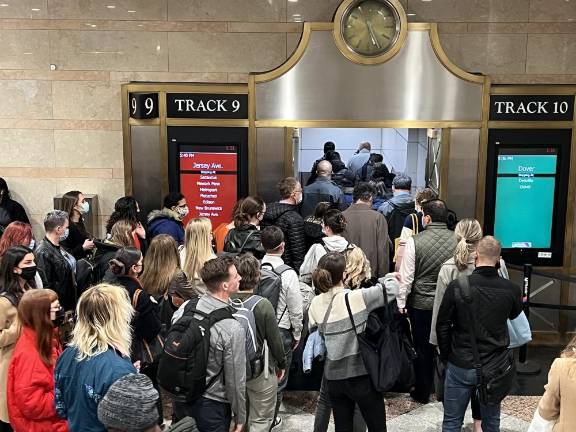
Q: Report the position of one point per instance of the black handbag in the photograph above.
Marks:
(496, 377)
(379, 348)
(439, 377)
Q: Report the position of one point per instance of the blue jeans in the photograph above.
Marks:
(459, 386)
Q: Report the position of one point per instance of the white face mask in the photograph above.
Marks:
(32, 244)
(85, 207)
(182, 211)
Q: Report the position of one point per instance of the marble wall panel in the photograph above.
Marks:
(24, 49)
(208, 77)
(25, 99)
(487, 53)
(292, 41)
(232, 52)
(88, 149)
(552, 10)
(312, 10)
(109, 50)
(108, 190)
(99, 10)
(87, 100)
(30, 9)
(469, 10)
(35, 194)
(26, 148)
(226, 10)
(551, 54)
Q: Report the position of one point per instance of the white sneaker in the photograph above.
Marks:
(276, 425)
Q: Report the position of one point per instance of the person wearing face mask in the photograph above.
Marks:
(17, 271)
(245, 237)
(30, 386)
(424, 255)
(19, 234)
(79, 241)
(169, 219)
(285, 215)
(57, 267)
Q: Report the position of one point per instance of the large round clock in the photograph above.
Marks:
(370, 31)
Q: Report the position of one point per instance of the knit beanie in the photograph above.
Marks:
(130, 404)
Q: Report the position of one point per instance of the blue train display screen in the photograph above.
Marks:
(525, 187)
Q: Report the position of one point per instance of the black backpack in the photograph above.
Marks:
(397, 217)
(183, 364)
(270, 284)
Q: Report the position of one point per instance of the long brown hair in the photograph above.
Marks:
(68, 204)
(250, 207)
(160, 264)
(34, 313)
(121, 233)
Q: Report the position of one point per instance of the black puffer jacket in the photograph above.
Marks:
(237, 241)
(105, 251)
(287, 218)
(56, 273)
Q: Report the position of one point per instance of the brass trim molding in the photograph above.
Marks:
(288, 152)
(533, 90)
(206, 122)
(366, 60)
(443, 57)
(143, 122)
(483, 153)
(296, 55)
(530, 125)
(126, 141)
(252, 144)
(419, 26)
(423, 124)
(187, 88)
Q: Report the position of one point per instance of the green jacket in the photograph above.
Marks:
(433, 246)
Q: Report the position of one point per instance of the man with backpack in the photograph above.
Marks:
(269, 366)
(279, 283)
(397, 208)
(213, 387)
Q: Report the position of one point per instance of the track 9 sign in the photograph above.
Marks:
(143, 105)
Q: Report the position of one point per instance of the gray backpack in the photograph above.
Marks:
(270, 284)
(244, 314)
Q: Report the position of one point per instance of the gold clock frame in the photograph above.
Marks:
(369, 60)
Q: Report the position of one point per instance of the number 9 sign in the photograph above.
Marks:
(143, 105)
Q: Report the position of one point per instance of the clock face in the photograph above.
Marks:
(370, 27)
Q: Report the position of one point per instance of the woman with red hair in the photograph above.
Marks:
(16, 234)
(19, 234)
(30, 386)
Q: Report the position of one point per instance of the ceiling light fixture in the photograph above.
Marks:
(111, 7)
(4, 5)
(131, 11)
(35, 10)
(410, 14)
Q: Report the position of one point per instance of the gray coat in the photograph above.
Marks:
(227, 358)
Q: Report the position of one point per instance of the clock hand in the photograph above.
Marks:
(372, 35)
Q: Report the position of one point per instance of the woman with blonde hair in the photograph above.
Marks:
(30, 387)
(122, 236)
(196, 251)
(98, 355)
(560, 391)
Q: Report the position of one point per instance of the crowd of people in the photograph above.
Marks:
(216, 319)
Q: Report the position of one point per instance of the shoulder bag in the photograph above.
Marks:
(495, 378)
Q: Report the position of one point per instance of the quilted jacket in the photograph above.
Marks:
(286, 217)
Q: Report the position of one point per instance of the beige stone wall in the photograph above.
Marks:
(61, 130)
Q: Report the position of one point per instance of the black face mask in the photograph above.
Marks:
(59, 320)
(28, 273)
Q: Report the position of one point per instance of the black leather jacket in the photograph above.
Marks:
(237, 241)
(56, 273)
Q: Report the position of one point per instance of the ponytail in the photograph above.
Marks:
(469, 233)
(330, 271)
